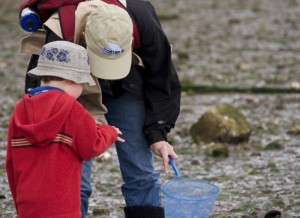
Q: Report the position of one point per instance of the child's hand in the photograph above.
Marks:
(119, 133)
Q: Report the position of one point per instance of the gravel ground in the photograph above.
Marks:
(226, 43)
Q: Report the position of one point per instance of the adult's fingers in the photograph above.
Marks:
(166, 163)
(173, 155)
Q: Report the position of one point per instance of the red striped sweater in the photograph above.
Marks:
(50, 134)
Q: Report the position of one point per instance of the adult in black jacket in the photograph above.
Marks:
(144, 105)
(150, 102)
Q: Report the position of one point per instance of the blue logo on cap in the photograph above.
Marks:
(114, 49)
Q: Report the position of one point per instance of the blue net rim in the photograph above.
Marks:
(214, 187)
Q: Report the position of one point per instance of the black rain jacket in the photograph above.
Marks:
(157, 81)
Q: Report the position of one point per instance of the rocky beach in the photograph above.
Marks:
(233, 44)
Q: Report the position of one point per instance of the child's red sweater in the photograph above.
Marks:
(50, 134)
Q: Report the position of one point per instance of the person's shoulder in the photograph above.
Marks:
(144, 15)
(62, 99)
(71, 100)
(140, 7)
(78, 110)
(20, 102)
(77, 113)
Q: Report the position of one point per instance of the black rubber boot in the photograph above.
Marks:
(144, 212)
(273, 214)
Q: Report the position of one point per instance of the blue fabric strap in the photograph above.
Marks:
(42, 89)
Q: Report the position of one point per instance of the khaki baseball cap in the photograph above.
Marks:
(109, 35)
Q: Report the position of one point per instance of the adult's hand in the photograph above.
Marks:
(163, 149)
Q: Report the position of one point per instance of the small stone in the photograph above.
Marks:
(275, 145)
(221, 123)
(218, 150)
(294, 130)
(106, 156)
(101, 211)
(195, 162)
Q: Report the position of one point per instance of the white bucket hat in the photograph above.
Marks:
(66, 60)
(108, 36)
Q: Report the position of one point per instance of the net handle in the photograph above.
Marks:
(173, 166)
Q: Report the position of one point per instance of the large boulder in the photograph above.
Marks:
(221, 123)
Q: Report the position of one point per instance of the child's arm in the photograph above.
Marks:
(91, 139)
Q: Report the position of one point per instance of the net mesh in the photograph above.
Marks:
(186, 198)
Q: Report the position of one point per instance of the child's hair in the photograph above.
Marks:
(47, 79)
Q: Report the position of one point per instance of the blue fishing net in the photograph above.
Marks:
(187, 198)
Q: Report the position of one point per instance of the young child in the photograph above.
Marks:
(50, 134)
